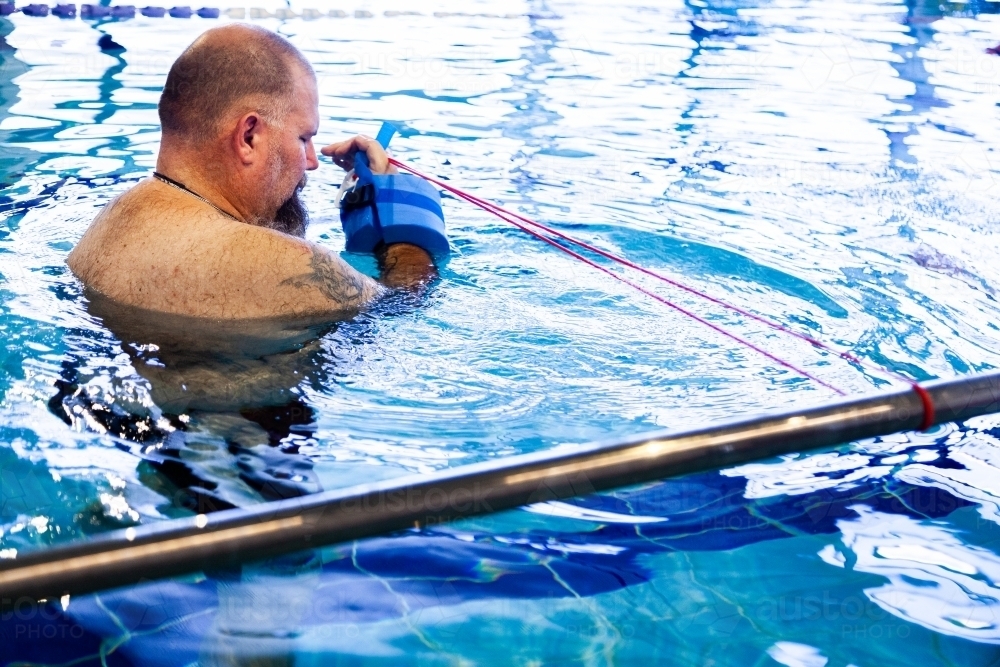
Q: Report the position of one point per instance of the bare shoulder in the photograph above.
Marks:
(264, 273)
(111, 227)
(160, 250)
(296, 277)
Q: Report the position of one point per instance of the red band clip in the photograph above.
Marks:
(928, 403)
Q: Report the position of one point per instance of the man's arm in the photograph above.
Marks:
(318, 280)
(335, 280)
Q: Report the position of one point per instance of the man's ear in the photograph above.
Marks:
(247, 138)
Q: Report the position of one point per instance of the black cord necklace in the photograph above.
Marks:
(180, 186)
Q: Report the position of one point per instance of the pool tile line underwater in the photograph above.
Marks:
(94, 12)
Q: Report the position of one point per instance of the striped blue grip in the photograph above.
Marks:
(409, 211)
(404, 209)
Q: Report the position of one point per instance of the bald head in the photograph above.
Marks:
(228, 71)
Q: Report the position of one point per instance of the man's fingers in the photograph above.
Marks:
(343, 154)
(346, 148)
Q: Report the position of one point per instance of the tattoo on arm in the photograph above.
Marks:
(337, 281)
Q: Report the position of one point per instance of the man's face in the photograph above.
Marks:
(292, 154)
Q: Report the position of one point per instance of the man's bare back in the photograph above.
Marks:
(158, 248)
(238, 111)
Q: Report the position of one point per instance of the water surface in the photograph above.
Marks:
(828, 165)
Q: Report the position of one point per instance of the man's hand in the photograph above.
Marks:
(343, 154)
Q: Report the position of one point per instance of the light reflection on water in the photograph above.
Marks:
(934, 579)
(829, 165)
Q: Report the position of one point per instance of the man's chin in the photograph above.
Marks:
(291, 217)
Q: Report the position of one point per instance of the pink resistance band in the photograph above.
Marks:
(531, 227)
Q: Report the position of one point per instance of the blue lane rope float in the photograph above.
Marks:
(92, 12)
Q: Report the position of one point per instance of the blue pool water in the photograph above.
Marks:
(832, 165)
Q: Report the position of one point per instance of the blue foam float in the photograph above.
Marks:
(180, 12)
(64, 11)
(35, 10)
(123, 11)
(391, 208)
(153, 12)
(208, 13)
(7, 8)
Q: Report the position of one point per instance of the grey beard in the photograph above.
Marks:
(292, 217)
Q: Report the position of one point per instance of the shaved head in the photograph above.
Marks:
(227, 72)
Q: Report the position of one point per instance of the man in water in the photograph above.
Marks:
(218, 230)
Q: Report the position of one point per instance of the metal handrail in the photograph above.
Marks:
(231, 537)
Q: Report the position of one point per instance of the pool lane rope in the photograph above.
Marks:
(92, 11)
(540, 231)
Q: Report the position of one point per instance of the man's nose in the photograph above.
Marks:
(312, 162)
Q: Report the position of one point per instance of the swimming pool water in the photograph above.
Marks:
(830, 164)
